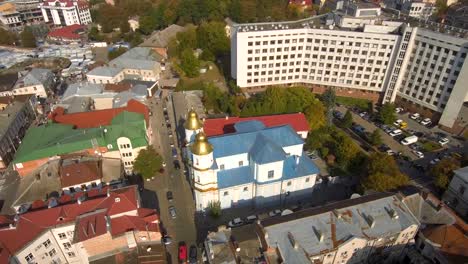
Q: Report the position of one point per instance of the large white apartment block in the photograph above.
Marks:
(66, 12)
(357, 54)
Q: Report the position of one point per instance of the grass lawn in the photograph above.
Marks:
(212, 75)
(430, 146)
(362, 104)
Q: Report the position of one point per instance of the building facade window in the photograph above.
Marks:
(29, 258)
(46, 243)
(246, 189)
(221, 167)
(241, 163)
(226, 193)
(62, 235)
(271, 174)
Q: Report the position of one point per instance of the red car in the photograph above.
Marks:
(182, 252)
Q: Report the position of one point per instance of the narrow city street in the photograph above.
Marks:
(182, 227)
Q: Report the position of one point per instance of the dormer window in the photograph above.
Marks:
(271, 174)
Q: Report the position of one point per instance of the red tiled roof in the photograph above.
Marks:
(220, 126)
(126, 223)
(78, 173)
(68, 32)
(68, 3)
(32, 223)
(99, 117)
(91, 225)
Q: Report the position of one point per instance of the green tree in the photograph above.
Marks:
(189, 63)
(94, 34)
(329, 99)
(148, 162)
(124, 26)
(315, 114)
(375, 138)
(442, 172)
(214, 207)
(147, 24)
(211, 36)
(347, 120)
(383, 173)
(116, 53)
(27, 38)
(387, 114)
(344, 148)
(7, 37)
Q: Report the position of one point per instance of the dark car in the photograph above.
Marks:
(174, 152)
(193, 254)
(172, 212)
(176, 164)
(169, 196)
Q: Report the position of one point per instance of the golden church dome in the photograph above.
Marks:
(192, 122)
(201, 146)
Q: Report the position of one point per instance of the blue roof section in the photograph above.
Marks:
(305, 167)
(248, 126)
(266, 151)
(234, 177)
(238, 143)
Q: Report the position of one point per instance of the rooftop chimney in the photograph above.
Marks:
(318, 233)
(292, 240)
(370, 220)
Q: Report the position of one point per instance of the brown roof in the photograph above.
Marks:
(7, 81)
(117, 87)
(80, 172)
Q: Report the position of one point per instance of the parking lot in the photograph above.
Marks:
(414, 166)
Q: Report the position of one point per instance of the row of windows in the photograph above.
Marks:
(337, 51)
(246, 189)
(312, 71)
(124, 146)
(321, 41)
(318, 79)
(328, 64)
(127, 154)
(128, 163)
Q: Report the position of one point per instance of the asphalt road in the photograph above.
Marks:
(182, 228)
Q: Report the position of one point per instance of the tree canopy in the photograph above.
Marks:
(8, 38)
(375, 138)
(347, 120)
(148, 162)
(442, 172)
(387, 114)
(383, 173)
(27, 38)
(329, 100)
(189, 63)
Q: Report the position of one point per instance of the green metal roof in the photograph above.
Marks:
(55, 139)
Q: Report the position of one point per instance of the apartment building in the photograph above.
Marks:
(456, 195)
(10, 18)
(376, 228)
(367, 56)
(82, 229)
(66, 12)
(16, 115)
(30, 11)
(37, 81)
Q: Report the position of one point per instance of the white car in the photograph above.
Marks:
(434, 161)
(399, 110)
(426, 121)
(418, 154)
(274, 212)
(396, 132)
(164, 164)
(362, 114)
(443, 141)
(415, 116)
(235, 222)
(391, 152)
(398, 122)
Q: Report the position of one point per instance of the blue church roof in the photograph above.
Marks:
(304, 167)
(265, 151)
(248, 126)
(239, 143)
(234, 177)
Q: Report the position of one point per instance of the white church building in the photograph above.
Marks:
(255, 165)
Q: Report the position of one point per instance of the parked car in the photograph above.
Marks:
(193, 255)
(396, 132)
(409, 140)
(167, 240)
(250, 219)
(399, 110)
(172, 212)
(418, 154)
(419, 167)
(443, 141)
(176, 164)
(388, 129)
(274, 213)
(182, 252)
(235, 222)
(384, 147)
(169, 196)
(398, 122)
(363, 114)
(426, 122)
(164, 164)
(415, 116)
(391, 152)
(174, 152)
(434, 161)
